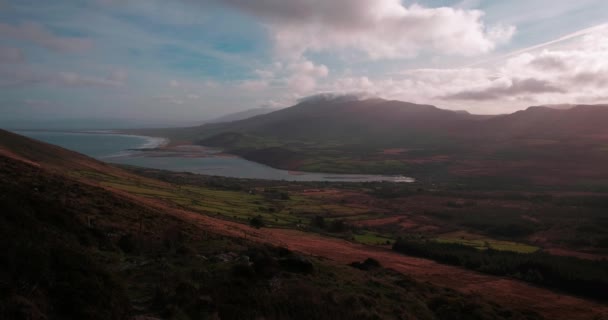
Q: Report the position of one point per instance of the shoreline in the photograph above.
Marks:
(151, 142)
(148, 142)
(162, 147)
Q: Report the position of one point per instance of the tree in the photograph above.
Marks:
(256, 222)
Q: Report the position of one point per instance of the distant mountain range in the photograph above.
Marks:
(242, 115)
(394, 137)
(384, 123)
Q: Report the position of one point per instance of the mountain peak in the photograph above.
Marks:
(337, 97)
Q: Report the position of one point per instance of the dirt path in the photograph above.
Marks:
(507, 292)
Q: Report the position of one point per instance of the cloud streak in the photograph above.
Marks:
(26, 76)
(508, 88)
(11, 55)
(41, 36)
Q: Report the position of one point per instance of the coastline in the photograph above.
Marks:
(152, 152)
(148, 142)
(151, 142)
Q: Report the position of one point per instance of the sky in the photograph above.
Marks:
(192, 60)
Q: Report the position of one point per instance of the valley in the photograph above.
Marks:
(333, 224)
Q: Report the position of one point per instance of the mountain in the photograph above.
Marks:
(242, 115)
(550, 123)
(394, 137)
(322, 120)
(381, 122)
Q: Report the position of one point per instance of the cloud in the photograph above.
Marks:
(115, 79)
(304, 75)
(572, 71)
(301, 76)
(507, 88)
(39, 35)
(35, 103)
(332, 96)
(378, 28)
(27, 76)
(253, 85)
(174, 83)
(11, 55)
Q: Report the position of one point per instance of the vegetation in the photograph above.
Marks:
(256, 222)
(72, 250)
(94, 235)
(484, 243)
(583, 277)
(502, 219)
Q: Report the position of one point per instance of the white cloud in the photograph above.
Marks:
(304, 76)
(574, 71)
(174, 83)
(38, 34)
(301, 76)
(378, 28)
(253, 85)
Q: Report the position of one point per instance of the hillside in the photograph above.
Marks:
(74, 247)
(344, 121)
(575, 122)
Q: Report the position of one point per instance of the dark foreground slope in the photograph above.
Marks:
(75, 250)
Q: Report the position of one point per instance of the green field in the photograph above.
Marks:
(293, 212)
(484, 243)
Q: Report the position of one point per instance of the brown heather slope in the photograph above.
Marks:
(511, 293)
(504, 291)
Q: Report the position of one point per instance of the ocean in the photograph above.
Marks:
(121, 149)
(95, 144)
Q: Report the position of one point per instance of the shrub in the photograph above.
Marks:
(256, 222)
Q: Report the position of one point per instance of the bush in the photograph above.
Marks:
(368, 264)
(585, 277)
(318, 221)
(256, 222)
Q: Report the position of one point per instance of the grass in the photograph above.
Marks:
(289, 205)
(484, 243)
(345, 165)
(241, 206)
(59, 267)
(373, 238)
(234, 205)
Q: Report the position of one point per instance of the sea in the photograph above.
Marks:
(133, 150)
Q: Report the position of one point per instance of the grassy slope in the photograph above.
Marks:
(76, 250)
